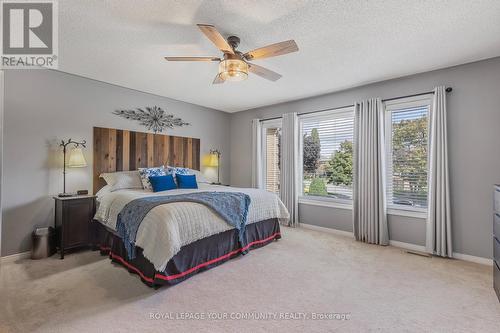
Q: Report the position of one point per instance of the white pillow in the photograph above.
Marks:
(200, 178)
(122, 180)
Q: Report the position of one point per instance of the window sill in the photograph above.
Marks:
(325, 203)
(419, 214)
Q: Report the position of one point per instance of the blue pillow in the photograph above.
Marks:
(186, 181)
(162, 183)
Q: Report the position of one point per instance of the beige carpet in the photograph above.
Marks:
(376, 288)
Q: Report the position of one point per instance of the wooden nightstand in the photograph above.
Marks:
(73, 216)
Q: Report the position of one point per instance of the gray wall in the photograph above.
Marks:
(474, 141)
(401, 228)
(41, 108)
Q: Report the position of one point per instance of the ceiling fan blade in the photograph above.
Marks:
(218, 79)
(192, 59)
(214, 35)
(264, 72)
(272, 50)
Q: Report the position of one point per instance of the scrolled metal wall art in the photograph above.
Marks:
(154, 118)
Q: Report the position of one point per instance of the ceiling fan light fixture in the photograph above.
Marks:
(233, 70)
(233, 65)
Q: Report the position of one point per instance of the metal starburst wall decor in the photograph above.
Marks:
(154, 118)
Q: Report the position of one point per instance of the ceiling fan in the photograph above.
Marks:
(235, 65)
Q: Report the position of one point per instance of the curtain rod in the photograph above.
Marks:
(448, 89)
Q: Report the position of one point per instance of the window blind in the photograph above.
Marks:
(272, 159)
(327, 154)
(407, 157)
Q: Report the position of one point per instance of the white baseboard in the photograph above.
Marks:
(402, 245)
(478, 260)
(328, 230)
(407, 246)
(14, 257)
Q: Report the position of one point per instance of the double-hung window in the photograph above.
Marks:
(407, 149)
(326, 146)
(271, 139)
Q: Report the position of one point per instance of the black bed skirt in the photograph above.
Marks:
(191, 259)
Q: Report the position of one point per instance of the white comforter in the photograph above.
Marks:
(168, 227)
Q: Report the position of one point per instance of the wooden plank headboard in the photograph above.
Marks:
(122, 150)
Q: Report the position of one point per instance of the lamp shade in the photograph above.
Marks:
(212, 160)
(76, 159)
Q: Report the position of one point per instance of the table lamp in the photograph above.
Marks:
(214, 161)
(76, 160)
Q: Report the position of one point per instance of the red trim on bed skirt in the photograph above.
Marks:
(124, 262)
(191, 270)
(227, 255)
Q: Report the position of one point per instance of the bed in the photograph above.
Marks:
(175, 240)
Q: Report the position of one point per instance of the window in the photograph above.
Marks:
(327, 147)
(271, 138)
(407, 122)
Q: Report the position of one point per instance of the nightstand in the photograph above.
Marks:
(73, 216)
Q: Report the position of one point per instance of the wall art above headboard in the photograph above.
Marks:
(153, 117)
(122, 150)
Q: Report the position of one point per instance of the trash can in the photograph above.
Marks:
(43, 243)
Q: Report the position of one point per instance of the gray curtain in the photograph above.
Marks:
(369, 205)
(256, 153)
(289, 166)
(438, 237)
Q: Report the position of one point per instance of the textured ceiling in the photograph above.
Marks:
(342, 43)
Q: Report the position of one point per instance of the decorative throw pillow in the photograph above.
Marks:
(186, 171)
(178, 170)
(186, 181)
(162, 183)
(145, 173)
(122, 180)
